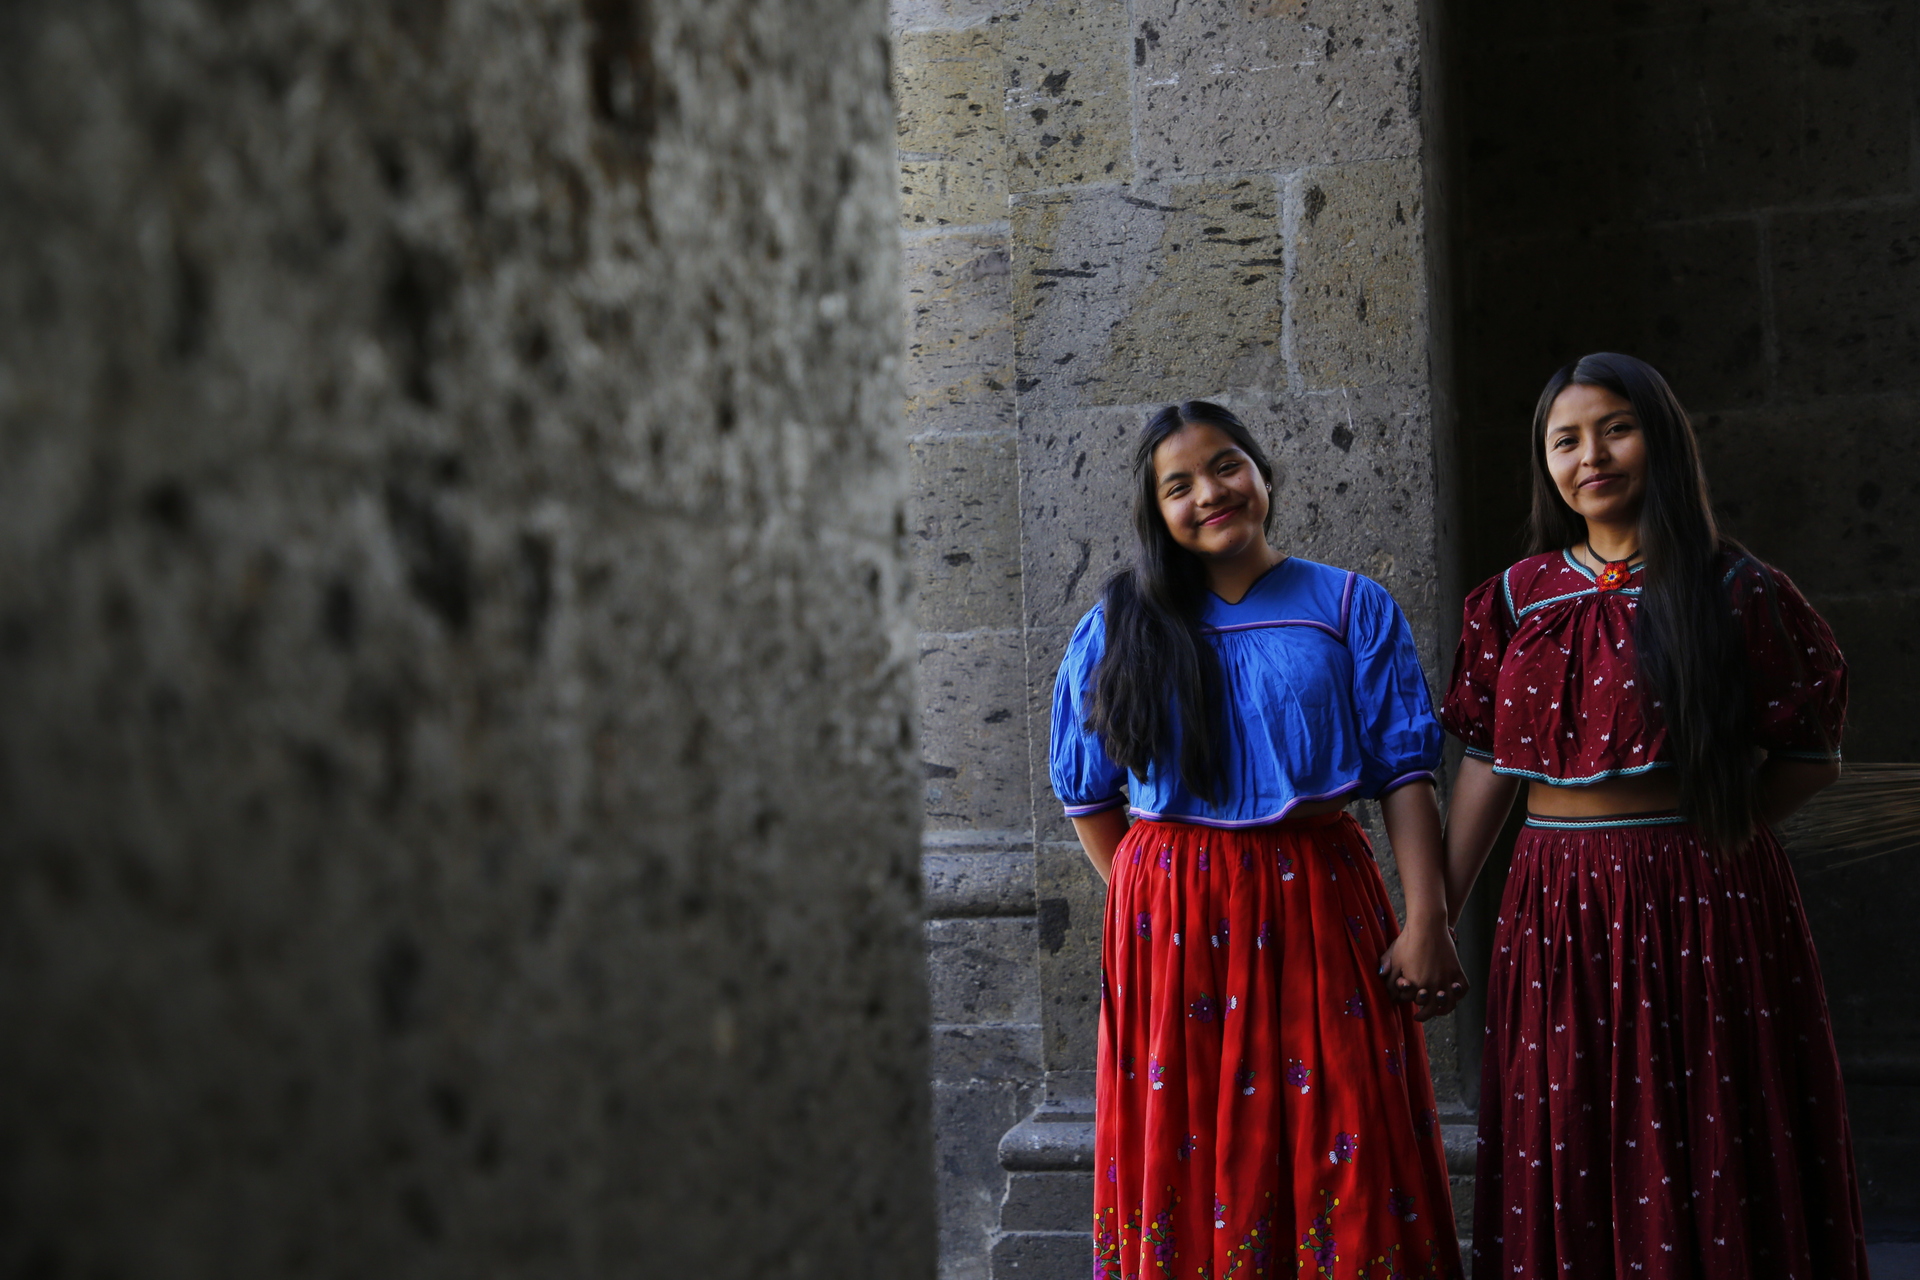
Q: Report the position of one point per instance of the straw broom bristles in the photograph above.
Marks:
(1871, 812)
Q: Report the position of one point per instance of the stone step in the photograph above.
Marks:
(1048, 1202)
(1042, 1255)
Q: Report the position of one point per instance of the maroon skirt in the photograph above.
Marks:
(1660, 1098)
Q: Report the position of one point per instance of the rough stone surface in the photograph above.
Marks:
(1359, 281)
(1072, 905)
(1842, 525)
(1880, 634)
(457, 809)
(1847, 297)
(1354, 488)
(959, 367)
(982, 970)
(974, 884)
(1879, 1046)
(1044, 651)
(1694, 293)
(1130, 296)
(1795, 108)
(922, 15)
(986, 1060)
(1076, 518)
(966, 540)
(1037, 1255)
(1231, 86)
(1048, 1202)
(952, 132)
(968, 1116)
(986, 1053)
(972, 735)
(1067, 104)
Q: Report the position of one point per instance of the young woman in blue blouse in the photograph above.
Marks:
(1262, 1092)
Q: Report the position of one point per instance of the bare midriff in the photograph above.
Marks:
(1655, 792)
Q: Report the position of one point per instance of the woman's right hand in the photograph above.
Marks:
(1422, 968)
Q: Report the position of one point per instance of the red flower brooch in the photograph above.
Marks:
(1613, 576)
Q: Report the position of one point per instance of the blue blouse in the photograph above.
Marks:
(1325, 698)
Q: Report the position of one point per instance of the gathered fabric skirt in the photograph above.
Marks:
(1263, 1107)
(1660, 1097)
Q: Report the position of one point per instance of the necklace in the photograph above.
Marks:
(1611, 575)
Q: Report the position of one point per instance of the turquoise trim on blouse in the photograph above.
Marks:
(1581, 782)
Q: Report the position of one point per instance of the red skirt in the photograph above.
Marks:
(1263, 1107)
(1660, 1099)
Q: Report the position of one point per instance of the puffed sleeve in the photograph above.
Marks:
(1799, 677)
(1485, 628)
(1399, 738)
(1083, 777)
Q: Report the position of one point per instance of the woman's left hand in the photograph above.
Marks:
(1421, 967)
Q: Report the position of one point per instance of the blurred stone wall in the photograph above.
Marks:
(1732, 193)
(457, 806)
(1107, 206)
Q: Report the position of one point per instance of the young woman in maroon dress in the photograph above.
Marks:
(1661, 1099)
(1263, 1104)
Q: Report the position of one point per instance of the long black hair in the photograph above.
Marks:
(1160, 682)
(1693, 658)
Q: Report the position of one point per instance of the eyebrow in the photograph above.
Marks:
(1605, 419)
(1171, 476)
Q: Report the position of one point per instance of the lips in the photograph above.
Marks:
(1221, 517)
(1600, 480)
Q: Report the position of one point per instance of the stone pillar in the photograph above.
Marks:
(457, 802)
(1108, 206)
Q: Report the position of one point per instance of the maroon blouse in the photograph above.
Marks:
(1545, 681)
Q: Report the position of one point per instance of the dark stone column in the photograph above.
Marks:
(458, 806)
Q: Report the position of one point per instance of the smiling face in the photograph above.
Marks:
(1597, 455)
(1211, 495)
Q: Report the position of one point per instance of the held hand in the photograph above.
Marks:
(1422, 968)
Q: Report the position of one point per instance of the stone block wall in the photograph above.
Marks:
(1733, 193)
(1108, 206)
(458, 812)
